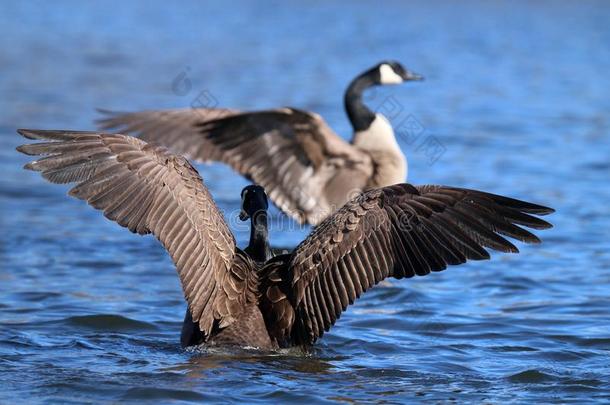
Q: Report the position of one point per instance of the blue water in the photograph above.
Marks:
(516, 101)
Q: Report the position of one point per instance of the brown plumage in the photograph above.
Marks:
(307, 169)
(397, 231)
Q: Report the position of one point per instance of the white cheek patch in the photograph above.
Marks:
(388, 76)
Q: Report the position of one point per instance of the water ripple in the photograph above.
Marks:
(90, 313)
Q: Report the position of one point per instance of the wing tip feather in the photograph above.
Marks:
(30, 166)
(25, 149)
(28, 133)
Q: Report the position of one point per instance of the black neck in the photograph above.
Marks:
(258, 248)
(359, 114)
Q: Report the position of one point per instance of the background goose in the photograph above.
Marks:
(396, 231)
(307, 169)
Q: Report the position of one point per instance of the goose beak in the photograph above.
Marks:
(243, 215)
(408, 75)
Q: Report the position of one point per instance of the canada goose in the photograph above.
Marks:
(254, 207)
(395, 231)
(307, 169)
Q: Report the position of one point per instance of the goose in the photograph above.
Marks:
(254, 206)
(307, 169)
(397, 231)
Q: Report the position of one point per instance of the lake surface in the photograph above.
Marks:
(516, 102)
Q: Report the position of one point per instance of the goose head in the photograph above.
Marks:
(253, 200)
(392, 72)
(385, 72)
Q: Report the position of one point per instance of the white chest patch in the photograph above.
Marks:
(379, 136)
(380, 142)
(388, 76)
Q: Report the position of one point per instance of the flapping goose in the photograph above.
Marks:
(254, 207)
(396, 231)
(307, 169)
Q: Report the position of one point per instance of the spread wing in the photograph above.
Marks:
(397, 231)
(149, 190)
(174, 129)
(307, 170)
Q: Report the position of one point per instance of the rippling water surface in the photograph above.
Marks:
(516, 101)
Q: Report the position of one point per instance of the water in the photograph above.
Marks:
(515, 102)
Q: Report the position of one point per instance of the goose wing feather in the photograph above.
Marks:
(175, 129)
(294, 154)
(397, 231)
(148, 190)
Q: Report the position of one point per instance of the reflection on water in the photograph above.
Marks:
(516, 98)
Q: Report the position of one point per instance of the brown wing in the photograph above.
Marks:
(397, 231)
(149, 190)
(174, 129)
(307, 170)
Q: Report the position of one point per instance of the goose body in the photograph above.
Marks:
(307, 169)
(254, 256)
(396, 231)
